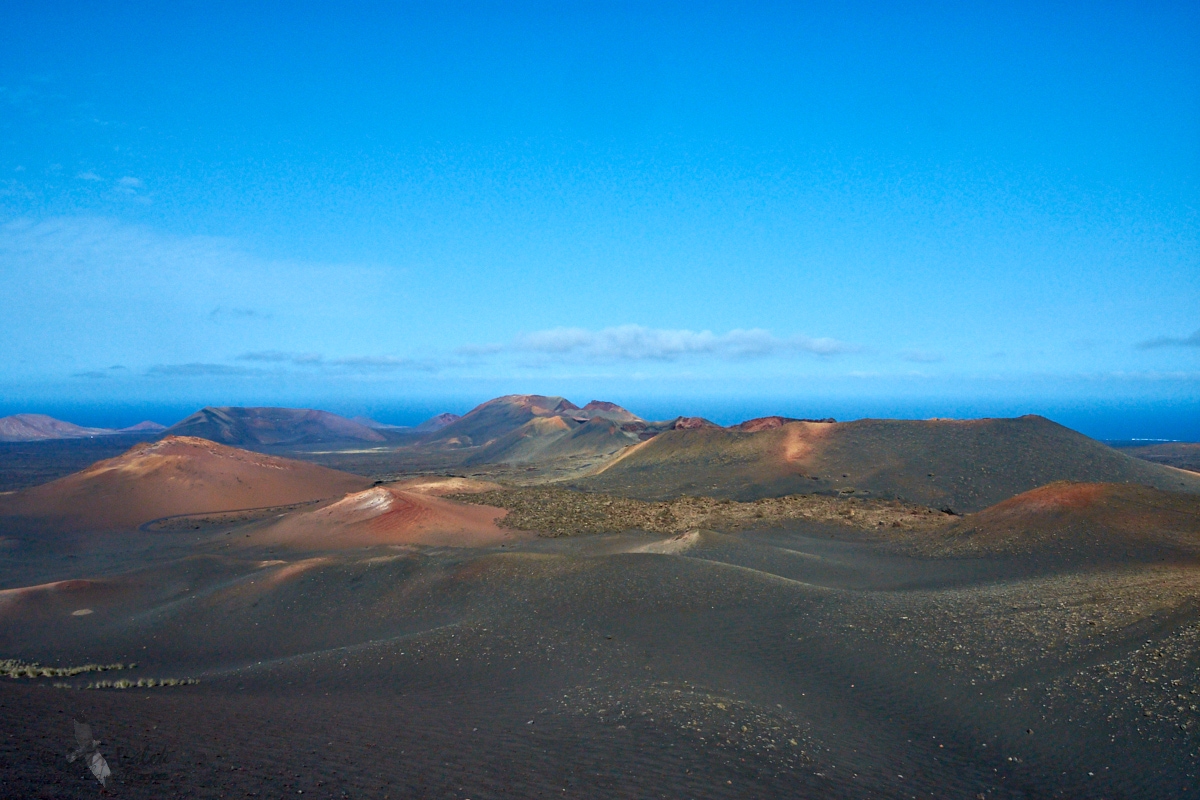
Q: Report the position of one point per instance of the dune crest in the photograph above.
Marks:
(442, 486)
(384, 515)
(672, 546)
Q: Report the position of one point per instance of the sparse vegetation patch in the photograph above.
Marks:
(15, 668)
(554, 511)
(142, 683)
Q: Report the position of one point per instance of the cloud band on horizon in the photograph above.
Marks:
(641, 343)
(1171, 341)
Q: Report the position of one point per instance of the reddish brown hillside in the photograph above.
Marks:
(1087, 518)
(177, 475)
(602, 408)
(491, 420)
(384, 515)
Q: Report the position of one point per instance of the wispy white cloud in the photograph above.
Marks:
(381, 363)
(116, 370)
(131, 188)
(17, 95)
(921, 357)
(640, 343)
(219, 313)
(1171, 341)
(479, 349)
(89, 176)
(280, 357)
(344, 364)
(120, 293)
(200, 370)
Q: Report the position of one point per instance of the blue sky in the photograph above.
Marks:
(980, 208)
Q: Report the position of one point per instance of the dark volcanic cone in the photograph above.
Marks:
(268, 426)
(963, 465)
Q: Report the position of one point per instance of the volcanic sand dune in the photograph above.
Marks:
(1100, 519)
(71, 588)
(174, 476)
(964, 465)
(438, 486)
(383, 515)
(708, 669)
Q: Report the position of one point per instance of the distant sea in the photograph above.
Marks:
(1156, 420)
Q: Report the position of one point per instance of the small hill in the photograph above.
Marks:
(523, 429)
(963, 465)
(1083, 519)
(372, 424)
(605, 410)
(489, 421)
(144, 427)
(691, 423)
(599, 436)
(175, 475)
(545, 439)
(1183, 455)
(769, 423)
(526, 443)
(39, 427)
(272, 426)
(437, 423)
(388, 516)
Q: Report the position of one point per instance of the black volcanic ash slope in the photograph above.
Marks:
(964, 465)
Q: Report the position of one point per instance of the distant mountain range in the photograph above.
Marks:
(271, 426)
(963, 465)
(523, 428)
(233, 425)
(39, 427)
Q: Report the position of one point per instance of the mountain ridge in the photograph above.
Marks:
(963, 465)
